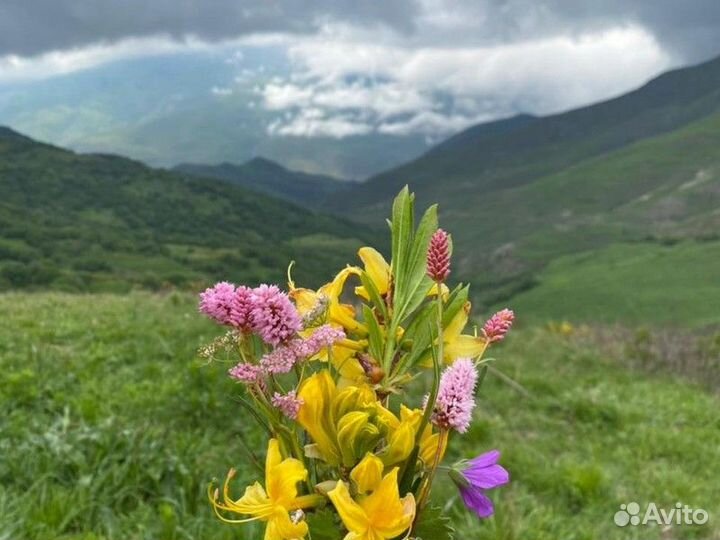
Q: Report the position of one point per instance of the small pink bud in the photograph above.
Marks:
(438, 256)
(498, 325)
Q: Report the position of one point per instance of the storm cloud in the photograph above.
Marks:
(401, 67)
(690, 30)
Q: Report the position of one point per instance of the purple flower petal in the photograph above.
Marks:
(487, 477)
(485, 460)
(477, 501)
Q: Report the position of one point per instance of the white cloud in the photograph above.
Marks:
(348, 80)
(433, 90)
(314, 123)
(221, 91)
(16, 68)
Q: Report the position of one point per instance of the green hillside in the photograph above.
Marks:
(638, 284)
(517, 195)
(101, 222)
(517, 151)
(268, 177)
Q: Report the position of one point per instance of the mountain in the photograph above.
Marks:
(263, 175)
(189, 107)
(104, 222)
(643, 167)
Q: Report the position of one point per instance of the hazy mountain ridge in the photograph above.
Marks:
(266, 176)
(184, 108)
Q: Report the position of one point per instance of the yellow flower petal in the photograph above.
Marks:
(368, 473)
(463, 347)
(281, 527)
(376, 267)
(387, 513)
(317, 393)
(457, 324)
(281, 482)
(400, 443)
(350, 512)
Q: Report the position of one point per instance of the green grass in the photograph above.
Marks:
(632, 283)
(111, 429)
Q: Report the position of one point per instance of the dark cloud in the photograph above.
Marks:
(30, 27)
(689, 29)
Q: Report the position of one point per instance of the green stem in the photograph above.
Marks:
(432, 398)
(437, 359)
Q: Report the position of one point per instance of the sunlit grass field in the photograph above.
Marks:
(112, 428)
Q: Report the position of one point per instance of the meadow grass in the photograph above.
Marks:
(631, 283)
(112, 428)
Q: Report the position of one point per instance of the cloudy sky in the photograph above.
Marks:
(397, 67)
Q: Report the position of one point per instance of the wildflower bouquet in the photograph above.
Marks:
(353, 446)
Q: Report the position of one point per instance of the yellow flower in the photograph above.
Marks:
(274, 503)
(377, 269)
(368, 473)
(342, 423)
(458, 345)
(307, 301)
(378, 516)
(401, 437)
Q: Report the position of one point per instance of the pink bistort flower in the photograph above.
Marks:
(280, 360)
(456, 396)
(288, 404)
(498, 325)
(246, 373)
(325, 336)
(273, 316)
(438, 256)
(241, 307)
(216, 302)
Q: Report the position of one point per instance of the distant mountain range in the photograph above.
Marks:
(606, 211)
(188, 108)
(106, 223)
(265, 176)
(521, 192)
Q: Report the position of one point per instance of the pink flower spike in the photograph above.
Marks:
(280, 360)
(498, 325)
(324, 336)
(241, 307)
(273, 316)
(216, 302)
(456, 396)
(438, 256)
(246, 373)
(288, 404)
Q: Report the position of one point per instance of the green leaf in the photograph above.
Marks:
(433, 525)
(403, 221)
(415, 283)
(455, 303)
(375, 337)
(323, 525)
(419, 335)
(374, 294)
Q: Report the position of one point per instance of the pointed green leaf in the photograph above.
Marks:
(433, 525)
(323, 525)
(375, 337)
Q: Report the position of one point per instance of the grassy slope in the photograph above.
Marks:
(631, 283)
(667, 187)
(111, 430)
(92, 222)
